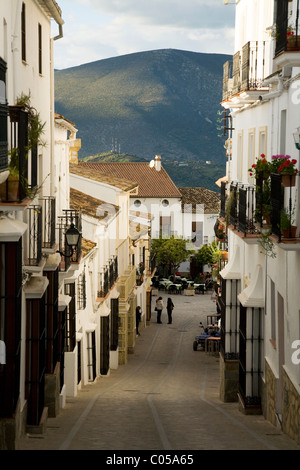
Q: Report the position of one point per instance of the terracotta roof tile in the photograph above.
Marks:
(210, 199)
(90, 205)
(151, 183)
(86, 171)
(87, 246)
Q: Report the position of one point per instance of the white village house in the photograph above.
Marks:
(260, 284)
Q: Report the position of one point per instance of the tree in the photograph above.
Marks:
(204, 255)
(169, 252)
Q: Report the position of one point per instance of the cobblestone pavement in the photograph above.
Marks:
(166, 398)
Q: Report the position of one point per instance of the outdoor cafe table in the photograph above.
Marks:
(200, 286)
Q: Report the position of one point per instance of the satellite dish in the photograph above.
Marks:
(152, 163)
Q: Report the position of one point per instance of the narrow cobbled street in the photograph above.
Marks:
(165, 398)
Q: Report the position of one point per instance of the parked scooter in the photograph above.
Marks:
(207, 333)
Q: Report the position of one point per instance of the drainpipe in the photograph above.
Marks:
(273, 94)
(55, 13)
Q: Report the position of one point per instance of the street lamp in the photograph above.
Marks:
(72, 240)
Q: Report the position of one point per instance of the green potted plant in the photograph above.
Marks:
(10, 189)
(288, 230)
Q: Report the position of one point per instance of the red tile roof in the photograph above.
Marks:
(151, 183)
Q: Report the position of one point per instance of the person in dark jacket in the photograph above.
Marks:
(138, 314)
(170, 307)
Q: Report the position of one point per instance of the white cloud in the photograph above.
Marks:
(96, 29)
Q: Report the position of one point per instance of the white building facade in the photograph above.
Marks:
(260, 295)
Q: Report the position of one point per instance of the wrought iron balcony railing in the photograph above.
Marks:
(33, 236)
(239, 207)
(253, 209)
(23, 162)
(108, 277)
(49, 219)
(247, 70)
(287, 38)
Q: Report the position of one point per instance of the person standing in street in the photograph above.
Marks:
(170, 307)
(159, 307)
(138, 314)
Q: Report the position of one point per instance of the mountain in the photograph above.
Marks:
(156, 102)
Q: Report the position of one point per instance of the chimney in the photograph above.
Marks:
(157, 162)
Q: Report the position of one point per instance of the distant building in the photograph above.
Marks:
(200, 207)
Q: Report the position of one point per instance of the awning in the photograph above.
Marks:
(254, 295)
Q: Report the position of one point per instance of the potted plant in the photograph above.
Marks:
(262, 168)
(10, 189)
(219, 231)
(286, 167)
(288, 230)
(292, 40)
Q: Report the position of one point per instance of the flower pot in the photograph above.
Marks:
(288, 180)
(289, 232)
(292, 44)
(10, 190)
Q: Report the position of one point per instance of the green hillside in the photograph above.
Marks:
(157, 102)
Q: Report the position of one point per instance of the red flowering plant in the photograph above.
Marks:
(284, 164)
(262, 168)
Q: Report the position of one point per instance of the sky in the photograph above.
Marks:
(101, 29)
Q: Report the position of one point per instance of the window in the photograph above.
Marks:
(273, 315)
(283, 132)
(240, 156)
(197, 233)
(91, 355)
(3, 117)
(70, 326)
(263, 140)
(251, 149)
(165, 226)
(40, 47)
(165, 203)
(114, 307)
(104, 345)
(81, 291)
(23, 31)
(137, 203)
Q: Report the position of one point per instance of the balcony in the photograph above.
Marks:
(244, 210)
(107, 278)
(48, 225)
(33, 238)
(127, 283)
(243, 77)
(240, 211)
(22, 180)
(287, 49)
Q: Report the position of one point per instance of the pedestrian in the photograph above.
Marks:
(159, 307)
(170, 307)
(138, 314)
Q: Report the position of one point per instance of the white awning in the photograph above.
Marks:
(253, 295)
(232, 269)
